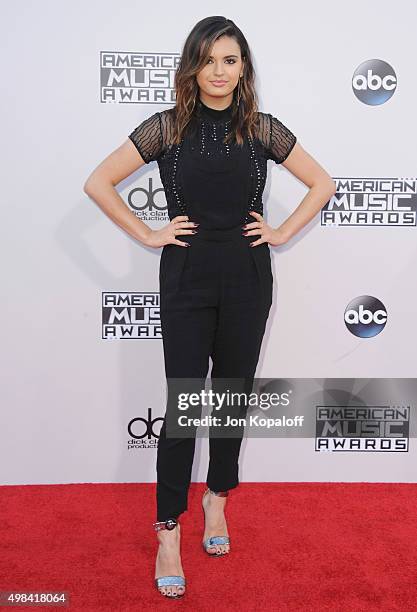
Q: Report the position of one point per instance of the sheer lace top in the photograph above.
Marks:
(214, 183)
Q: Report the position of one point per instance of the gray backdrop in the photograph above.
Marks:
(78, 77)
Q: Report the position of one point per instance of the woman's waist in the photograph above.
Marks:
(219, 234)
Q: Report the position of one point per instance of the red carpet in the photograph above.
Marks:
(301, 546)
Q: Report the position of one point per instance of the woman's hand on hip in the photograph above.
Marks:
(267, 234)
(168, 234)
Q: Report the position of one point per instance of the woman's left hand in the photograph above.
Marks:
(268, 234)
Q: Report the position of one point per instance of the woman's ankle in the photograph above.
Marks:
(169, 536)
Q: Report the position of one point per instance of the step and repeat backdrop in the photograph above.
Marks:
(83, 392)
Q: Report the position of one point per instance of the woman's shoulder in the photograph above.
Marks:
(276, 137)
(167, 120)
(262, 116)
(268, 119)
(262, 127)
(168, 114)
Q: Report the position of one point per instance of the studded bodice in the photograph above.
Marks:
(214, 183)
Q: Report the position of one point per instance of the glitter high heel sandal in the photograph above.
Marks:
(213, 540)
(167, 581)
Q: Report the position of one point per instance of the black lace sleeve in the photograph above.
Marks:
(147, 138)
(281, 140)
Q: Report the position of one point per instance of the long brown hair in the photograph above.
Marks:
(195, 53)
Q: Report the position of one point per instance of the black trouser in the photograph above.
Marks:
(215, 300)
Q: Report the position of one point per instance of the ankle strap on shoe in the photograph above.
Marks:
(219, 493)
(169, 524)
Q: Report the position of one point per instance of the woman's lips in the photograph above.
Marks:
(218, 83)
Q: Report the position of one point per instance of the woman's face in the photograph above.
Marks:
(224, 65)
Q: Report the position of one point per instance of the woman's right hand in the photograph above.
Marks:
(167, 234)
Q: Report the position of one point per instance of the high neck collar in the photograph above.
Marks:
(218, 115)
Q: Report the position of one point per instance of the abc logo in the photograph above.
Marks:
(374, 82)
(365, 316)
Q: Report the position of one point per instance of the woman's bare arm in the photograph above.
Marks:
(302, 165)
(100, 186)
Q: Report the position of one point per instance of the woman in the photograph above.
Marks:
(215, 270)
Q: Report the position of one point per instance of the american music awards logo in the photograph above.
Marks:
(380, 202)
(131, 316)
(362, 428)
(137, 78)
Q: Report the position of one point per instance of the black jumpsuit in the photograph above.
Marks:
(215, 295)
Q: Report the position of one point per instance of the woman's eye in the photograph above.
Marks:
(233, 61)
